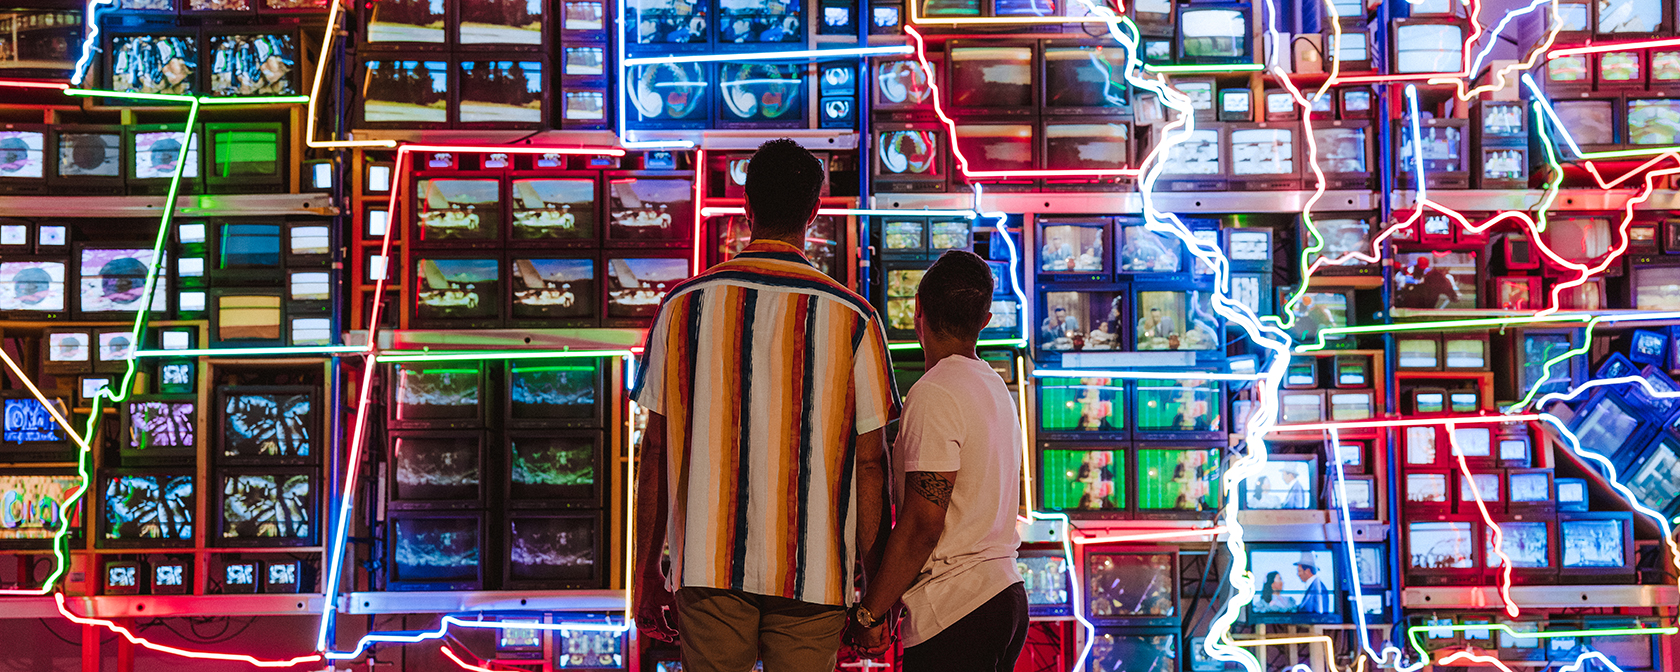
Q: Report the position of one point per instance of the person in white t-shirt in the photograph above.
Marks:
(956, 489)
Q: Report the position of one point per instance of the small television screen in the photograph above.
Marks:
(1262, 151)
(554, 209)
(403, 91)
(69, 348)
(413, 21)
(160, 424)
(1485, 484)
(647, 209)
(1436, 280)
(1342, 239)
(1342, 150)
(1178, 406)
(437, 393)
(1438, 545)
(991, 77)
(1084, 77)
(1213, 34)
(1630, 16)
(900, 84)
(458, 289)
(1593, 542)
(560, 467)
(909, 152)
(254, 64)
(760, 21)
(1294, 584)
(1069, 146)
(157, 154)
(22, 154)
(1045, 576)
(501, 91)
(1429, 47)
(1081, 405)
(147, 506)
(761, 92)
(584, 16)
(268, 423)
(1665, 66)
(1317, 311)
(1176, 320)
(1656, 478)
(905, 234)
(665, 22)
(664, 93)
(1605, 424)
(1466, 353)
(1653, 121)
(1072, 247)
(258, 507)
(436, 549)
(1590, 122)
(552, 549)
(166, 64)
(553, 390)
(590, 649)
(248, 246)
(1443, 149)
(1197, 155)
(1503, 120)
(437, 468)
(1473, 442)
(636, 285)
(1126, 650)
(459, 209)
(557, 289)
(1178, 479)
(584, 105)
(1082, 479)
(32, 286)
(1527, 543)
(1421, 448)
(253, 317)
(1082, 320)
(1145, 251)
(902, 284)
(1537, 350)
(584, 61)
(114, 346)
(44, 42)
(1283, 484)
(997, 146)
(500, 22)
(1131, 586)
(308, 285)
(1619, 66)
(949, 234)
(308, 240)
(1568, 69)
(37, 505)
(89, 155)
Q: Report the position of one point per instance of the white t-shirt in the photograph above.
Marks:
(961, 417)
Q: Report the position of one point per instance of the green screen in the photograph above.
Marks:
(247, 153)
(1177, 405)
(1081, 405)
(1184, 479)
(1083, 480)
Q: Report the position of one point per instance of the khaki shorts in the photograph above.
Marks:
(730, 630)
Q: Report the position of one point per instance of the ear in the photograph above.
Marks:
(813, 216)
(749, 211)
(989, 317)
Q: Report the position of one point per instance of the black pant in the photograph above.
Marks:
(987, 639)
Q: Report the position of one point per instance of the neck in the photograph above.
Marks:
(939, 347)
(796, 240)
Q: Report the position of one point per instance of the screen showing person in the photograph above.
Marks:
(553, 288)
(1083, 479)
(501, 22)
(548, 548)
(1145, 652)
(407, 21)
(501, 91)
(1126, 585)
(1086, 146)
(1045, 577)
(1081, 405)
(434, 469)
(1146, 251)
(760, 21)
(1177, 479)
(1282, 484)
(1593, 543)
(164, 64)
(1435, 280)
(651, 209)
(454, 289)
(901, 298)
(636, 286)
(437, 393)
(1196, 155)
(1527, 544)
(148, 507)
(406, 91)
(552, 468)
(1294, 582)
(554, 209)
(452, 209)
(40, 505)
(268, 424)
(1440, 545)
(253, 64)
(1317, 311)
(1084, 320)
(34, 285)
(267, 506)
(441, 549)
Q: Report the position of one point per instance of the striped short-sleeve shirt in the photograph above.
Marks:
(766, 371)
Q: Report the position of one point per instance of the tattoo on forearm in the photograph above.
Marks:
(931, 486)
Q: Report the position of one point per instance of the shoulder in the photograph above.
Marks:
(779, 276)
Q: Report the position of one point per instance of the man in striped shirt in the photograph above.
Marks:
(763, 466)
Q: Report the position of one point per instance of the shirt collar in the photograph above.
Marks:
(774, 249)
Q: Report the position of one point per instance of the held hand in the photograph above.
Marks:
(656, 614)
(870, 643)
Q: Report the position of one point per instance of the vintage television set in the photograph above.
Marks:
(457, 291)
(1351, 371)
(1530, 542)
(1620, 70)
(1501, 122)
(909, 157)
(1285, 482)
(1215, 33)
(267, 424)
(23, 158)
(1361, 495)
(514, 643)
(1196, 162)
(1596, 547)
(267, 506)
(1086, 480)
(1236, 104)
(1249, 249)
(41, 506)
(1475, 443)
(553, 550)
(153, 155)
(557, 210)
(1084, 144)
(669, 95)
(145, 508)
(1352, 53)
(308, 244)
(86, 159)
(1502, 167)
(1300, 407)
(1082, 409)
(1529, 351)
(36, 286)
(1296, 583)
(1419, 279)
(1593, 123)
(1201, 91)
(648, 209)
(1348, 405)
(235, 574)
(152, 60)
(457, 210)
(1665, 67)
(437, 469)
(1349, 244)
(1445, 155)
(1315, 311)
(404, 90)
(438, 395)
(123, 577)
(899, 298)
(1084, 79)
(1652, 475)
(409, 24)
(553, 290)
(762, 95)
(506, 91)
(1302, 374)
(1426, 45)
(1651, 121)
(247, 250)
(284, 575)
(171, 575)
(1465, 351)
(1263, 157)
(1167, 316)
(1075, 249)
(1177, 480)
(1443, 550)
(1047, 577)
(1630, 19)
(247, 316)
(247, 62)
(1344, 153)
(999, 146)
(637, 282)
(492, 25)
(1489, 485)
(1571, 494)
(553, 469)
(901, 89)
(158, 429)
(1610, 425)
(992, 77)
(1151, 648)
(435, 550)
(1131, 585)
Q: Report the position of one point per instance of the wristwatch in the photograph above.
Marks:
(864, 619)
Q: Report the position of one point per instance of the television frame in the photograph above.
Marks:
(1467, 505)
(1370, 406)
(1482, 180)
(597, 568)
(1617, 119)
(605, 196)
(9, 184)
(519, 254)
(1641, 432)
(392, 583)
(1457, 179)
(1123, 339)
(360, 84)
(1333, 497)
(1107, 226)
(96, 499)
(395, 502)
(1156, 435)
(1340, 180)
(1526, 508)
(1636, 84)
(207, 57)
(108, 51)
(1121, 400)
(395, 421)
(1228, 239)
(183, 566)
(169, 455)
(252, 275)
(1393, 35)
(1082, 183)
(1625, 573)
(606, 285)
(948, 83)
(889, 182)
(1182, 56)
(71, 368)
(1216, 464)
(1445, 506)
(1064, 609)
(1115, 549)
(544, 97)
(1315, 476)
(1265, 182)
(218, 513)
(498, 303)
(1423, 576)
(1665, 25)
(214, 309)
(1178, 182)
(97, 184)
(1106, 112)
(1126, 480)
(601, 474)
(1323, 409)
(158, 186)
(223, 393)
(1356, 266)
(1338, 589)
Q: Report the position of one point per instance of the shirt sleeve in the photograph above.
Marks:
(649, 391)
(873, 388)
(930, 435)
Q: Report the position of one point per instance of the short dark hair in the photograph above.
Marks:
(784, 181)
(956, 295)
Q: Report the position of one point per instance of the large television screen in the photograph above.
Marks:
(405, 91)
(1630, 16)
(1084, 77)
(1129, 586)
(557, 289)
(992, 78)
(760, 21)
(157, 155)
(437, 468)
(1435, 280)
(554, 209)
(412, 21)
(89, 155)
(1176, 320)
(437, 393)
(148, 506)
(157, 424)
(458, 289)
(1341, 150)
(436, 549)
(1085, 479)
(650, 209)
(1178, 479)
(259, 64)
(665, 22)
(1197, 155)
(32, 285)
(501, 91)
(1178, 406)
(1590, 122)
(256, 508)
(1262, 151)
(265, 423)
(1294, 585)
(664, 93)
(36, 504)
(552, 549)
(166, 64)
(459, 209)
(761, 92)
(1083, 320)
(1086, 146)
(501, 22)
(560, 467)
(1124, 650)
(1653, 122)
(1096, 405)
(1656, 479)
(636, 285)
(1213, 34)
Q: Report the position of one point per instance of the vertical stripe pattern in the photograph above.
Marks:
(766, 371)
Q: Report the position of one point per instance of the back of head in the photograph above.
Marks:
(784, 182)
(956, 295)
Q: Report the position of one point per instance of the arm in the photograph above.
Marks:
(921, 522)
(873, 520)
(652, 508)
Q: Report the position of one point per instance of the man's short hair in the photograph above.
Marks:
(956, 295)
(784, 182)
